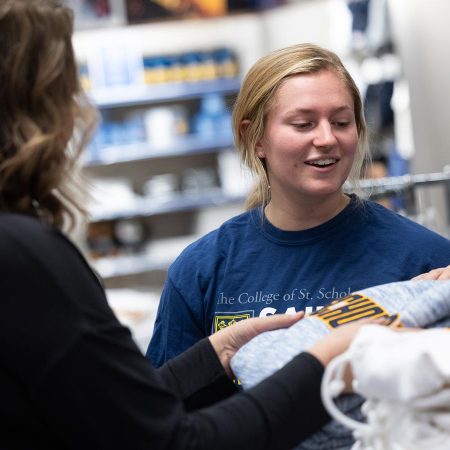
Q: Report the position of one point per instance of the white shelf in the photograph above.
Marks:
(159, 255)
(124, 96)
(129, 265)
(187, 145)
(145, 207)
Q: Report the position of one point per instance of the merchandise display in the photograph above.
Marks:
(146, 10)
(191, 67)
(157, 103)
(151, 10)
(155, 109)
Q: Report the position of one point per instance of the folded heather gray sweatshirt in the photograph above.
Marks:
(408, 303)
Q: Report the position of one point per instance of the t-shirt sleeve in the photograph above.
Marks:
(177, 326)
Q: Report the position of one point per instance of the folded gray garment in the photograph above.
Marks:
(411, 303)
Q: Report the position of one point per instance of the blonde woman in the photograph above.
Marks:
(299, 126)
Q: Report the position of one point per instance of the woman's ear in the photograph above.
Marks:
(243, 126)
(259, 149)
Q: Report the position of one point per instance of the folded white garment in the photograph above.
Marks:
(405, 377)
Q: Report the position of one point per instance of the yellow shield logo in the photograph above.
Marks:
(222, 321)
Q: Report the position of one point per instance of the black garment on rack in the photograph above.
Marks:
(379, 116)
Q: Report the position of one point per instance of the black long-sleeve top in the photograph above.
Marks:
(71, 376)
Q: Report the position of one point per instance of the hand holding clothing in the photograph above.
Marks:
(229, 340)
(441, 273)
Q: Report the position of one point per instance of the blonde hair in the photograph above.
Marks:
(257, 95)
(42, 104)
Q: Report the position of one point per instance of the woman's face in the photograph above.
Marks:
(310, 137)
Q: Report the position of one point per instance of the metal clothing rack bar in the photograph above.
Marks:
(388, 185)
(404, 186)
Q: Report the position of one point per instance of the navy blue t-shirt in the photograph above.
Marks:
(248, 268)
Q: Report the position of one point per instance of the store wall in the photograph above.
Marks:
(301, 21)
(421, 33)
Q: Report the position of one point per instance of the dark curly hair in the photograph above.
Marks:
(41, 106)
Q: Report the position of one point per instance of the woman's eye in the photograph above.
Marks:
(303, 125)
(341, 124)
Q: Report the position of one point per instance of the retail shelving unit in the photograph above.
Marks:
(137, 162)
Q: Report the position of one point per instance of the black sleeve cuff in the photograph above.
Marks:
(197, 376)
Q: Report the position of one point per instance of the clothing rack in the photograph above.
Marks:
(404, 186)
(393, 185)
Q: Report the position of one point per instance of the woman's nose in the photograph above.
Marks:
(324, 136)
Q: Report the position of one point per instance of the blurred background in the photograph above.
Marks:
(164, 74)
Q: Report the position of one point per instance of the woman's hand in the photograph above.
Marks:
(338, 340)
(442, 273)
(228, 341)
